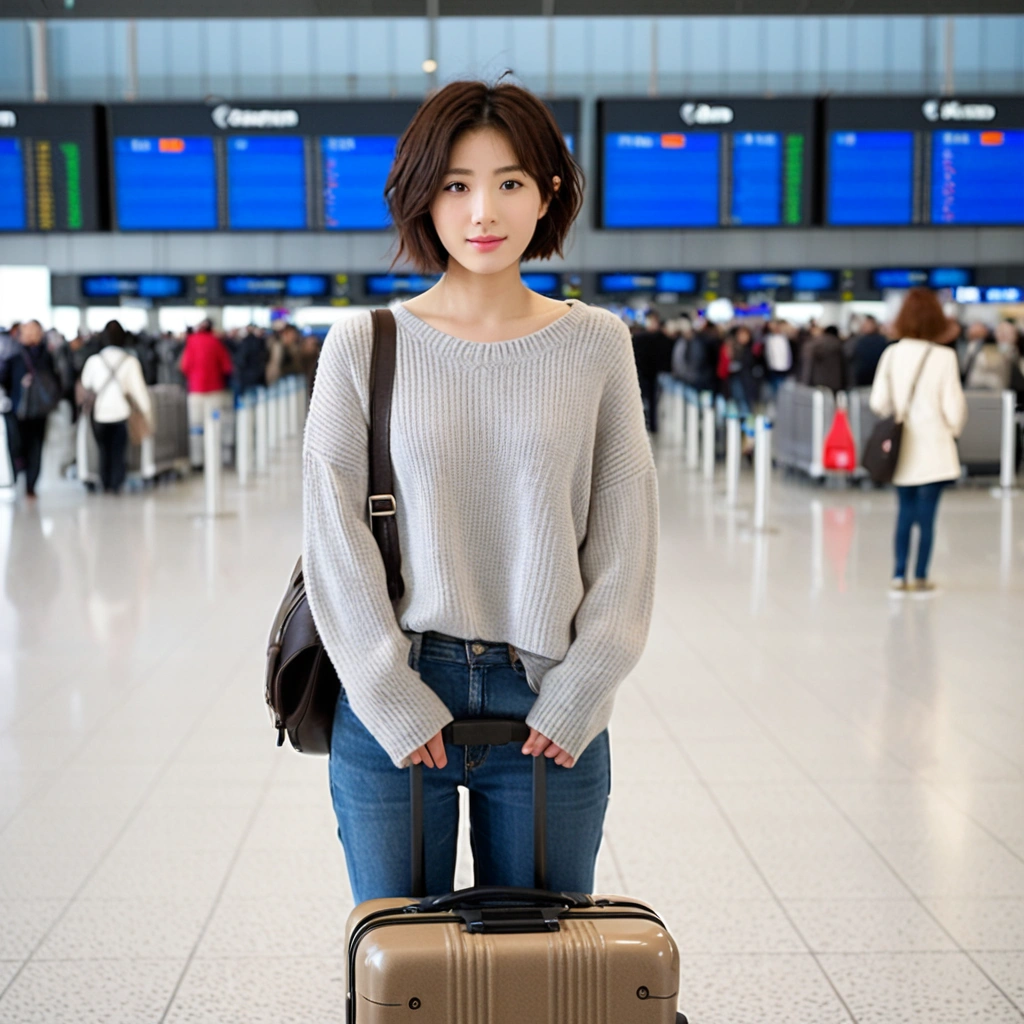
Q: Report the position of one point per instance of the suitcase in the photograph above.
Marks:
(495, 956)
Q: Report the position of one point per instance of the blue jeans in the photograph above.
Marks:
(371, 795)
(918, 505)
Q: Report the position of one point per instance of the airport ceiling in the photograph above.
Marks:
(484, 8)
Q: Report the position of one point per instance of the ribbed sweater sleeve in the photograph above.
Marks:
(346, 583)
(617, 563)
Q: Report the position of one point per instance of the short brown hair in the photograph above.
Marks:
(421, 160)
(921, 316)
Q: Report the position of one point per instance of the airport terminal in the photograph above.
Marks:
(597, 600)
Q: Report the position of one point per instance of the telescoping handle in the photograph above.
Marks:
(481, 732)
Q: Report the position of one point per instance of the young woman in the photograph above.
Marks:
(918, 380)
(527, 509)
(114, 374)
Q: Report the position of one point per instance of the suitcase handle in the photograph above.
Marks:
(474, 732)
(498, 896)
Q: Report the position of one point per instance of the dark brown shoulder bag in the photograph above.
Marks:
(301, 685)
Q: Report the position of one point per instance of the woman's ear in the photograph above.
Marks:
(556, 182)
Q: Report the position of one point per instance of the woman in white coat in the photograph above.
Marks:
(114, 375)
(918, 381)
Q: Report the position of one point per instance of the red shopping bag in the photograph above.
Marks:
(840, 453)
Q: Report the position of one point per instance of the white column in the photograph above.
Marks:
(708, 441)
(692, 431)
(243, 439)
(6, 469)
(732, 459)
(262, 430)
(762, 471)
(273, 404)
(1008, 444)
(213, 468)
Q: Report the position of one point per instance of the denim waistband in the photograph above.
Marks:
(441, 647)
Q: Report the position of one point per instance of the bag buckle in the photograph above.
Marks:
(385, 511)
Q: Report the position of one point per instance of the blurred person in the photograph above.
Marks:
(823, 360)
(309, 358)
(922, 363)
(8, 349)
(29, 379)
(652, 353)
(684, 332)
(867, 348)
(114, 375)
(778, 353)
(206, 366)
(251, 360)
(284, 349)
(702, 357)
(985, 367)
(737, 368)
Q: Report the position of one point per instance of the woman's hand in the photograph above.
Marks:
(538, 744)
(432, 754)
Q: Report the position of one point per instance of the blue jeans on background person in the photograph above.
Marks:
(371, 796)
(917, 504)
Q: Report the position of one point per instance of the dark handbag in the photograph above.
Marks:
(302, 686)
(41, 395)
(882, 449)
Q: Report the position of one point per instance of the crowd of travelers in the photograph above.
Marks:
(747, 361)
(105, 375)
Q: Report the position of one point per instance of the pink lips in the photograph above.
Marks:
(485, 243)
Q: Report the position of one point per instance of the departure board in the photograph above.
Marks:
(978, 177)
(48, 167)
(266, 182)
(165, 184)
(355, 168)
(916, 160)
(260, 166)
(705, 163)
(872, 176)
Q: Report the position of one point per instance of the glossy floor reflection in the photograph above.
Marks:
(820, 786)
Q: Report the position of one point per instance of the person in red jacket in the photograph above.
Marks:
(206, 365)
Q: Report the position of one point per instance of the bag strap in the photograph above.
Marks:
(913, 387)
(382, 503)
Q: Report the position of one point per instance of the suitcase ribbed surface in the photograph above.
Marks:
(577, 976)
(600, 967)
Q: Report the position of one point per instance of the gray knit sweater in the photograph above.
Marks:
(527, 514)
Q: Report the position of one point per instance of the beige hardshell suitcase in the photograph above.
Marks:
(498, 956)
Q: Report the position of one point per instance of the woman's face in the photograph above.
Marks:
(486, 194)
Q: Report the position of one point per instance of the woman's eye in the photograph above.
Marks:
(453, 184)
(457, 186)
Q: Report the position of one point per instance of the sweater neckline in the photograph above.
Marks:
(492, 351)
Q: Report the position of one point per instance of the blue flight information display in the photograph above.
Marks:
(266, 182)
(661, 180)
(735, 162)
(355, 169)
(977, 177)
(165, 184)
(918, 160)
(279, 166)
(871, 178)
(757, 178)
(12, 186)
(145, 286)
(684, 281)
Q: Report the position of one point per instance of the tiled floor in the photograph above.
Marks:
(821, 786)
